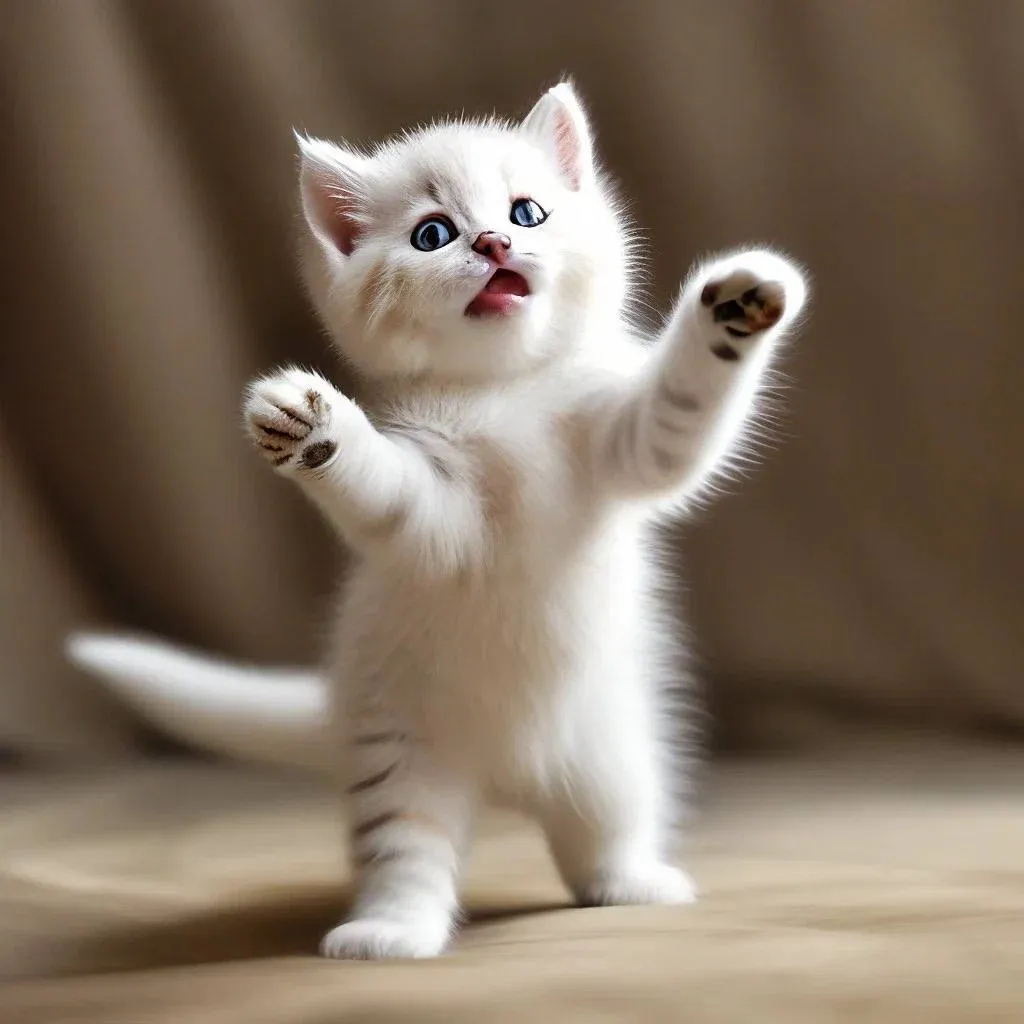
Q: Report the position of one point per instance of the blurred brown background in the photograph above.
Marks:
(871, 570)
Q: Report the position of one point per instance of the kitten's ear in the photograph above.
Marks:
(332, 186)
(559, 124)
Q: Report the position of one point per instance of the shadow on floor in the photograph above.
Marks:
(279, 924)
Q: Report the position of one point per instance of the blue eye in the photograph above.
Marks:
(433, 233)
(527, 213)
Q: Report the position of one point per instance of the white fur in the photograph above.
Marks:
(501, 636)
(264, 715)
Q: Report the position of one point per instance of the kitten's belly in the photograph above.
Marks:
(500, 659)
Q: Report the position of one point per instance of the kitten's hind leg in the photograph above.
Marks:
(608, 830)
(409, 823)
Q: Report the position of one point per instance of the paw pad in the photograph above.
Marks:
(754, 309)
(316, 454)
(287, 417)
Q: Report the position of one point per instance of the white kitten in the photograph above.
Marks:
(501, 636)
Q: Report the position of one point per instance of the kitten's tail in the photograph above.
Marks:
(273, 716)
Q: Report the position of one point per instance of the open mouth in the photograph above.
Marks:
(503, 293)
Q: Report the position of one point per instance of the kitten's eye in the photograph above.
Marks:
(527, 213)
(433, 233)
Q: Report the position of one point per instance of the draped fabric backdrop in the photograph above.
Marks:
(872, 567)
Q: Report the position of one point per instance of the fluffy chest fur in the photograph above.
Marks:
(519, 449)
(551, 600)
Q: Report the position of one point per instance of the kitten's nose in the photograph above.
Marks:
(493, 244)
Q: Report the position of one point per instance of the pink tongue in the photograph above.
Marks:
(507, 282)
(500, 294)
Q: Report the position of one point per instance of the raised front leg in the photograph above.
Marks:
(372, 488)
(690, 406)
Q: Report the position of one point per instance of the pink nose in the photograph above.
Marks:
(493, 244)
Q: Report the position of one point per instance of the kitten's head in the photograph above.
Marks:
(463, 250)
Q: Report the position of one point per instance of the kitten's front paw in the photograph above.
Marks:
(289, 418)
(652, 883)
(373, 939)
(742, 297)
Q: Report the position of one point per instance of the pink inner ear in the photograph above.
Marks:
(331, 210)
(344, 230)
(567, 146)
